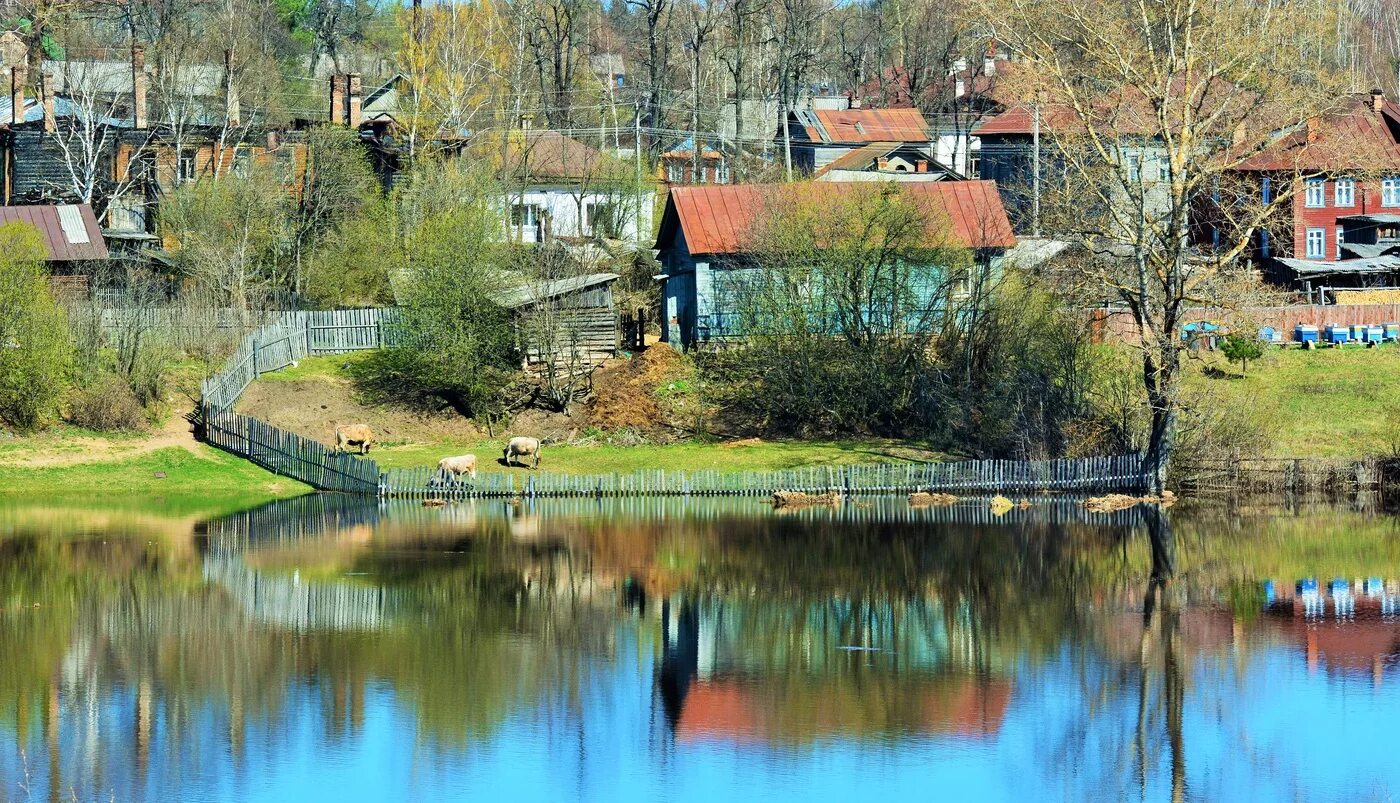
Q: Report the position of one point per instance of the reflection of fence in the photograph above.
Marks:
(1122, 472)
(288, 601)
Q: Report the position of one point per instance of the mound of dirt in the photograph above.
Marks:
(625, 391)
(313, 408)
(934, 499)
(1115, 502)
(800, 499)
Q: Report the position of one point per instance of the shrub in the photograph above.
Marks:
(107, 405)
(35, 353)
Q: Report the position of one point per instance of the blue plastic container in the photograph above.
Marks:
(1392, 331)
(1374, 587)
(1269, 334)
(1339, 587)
(1305, 333)
(1337, 334)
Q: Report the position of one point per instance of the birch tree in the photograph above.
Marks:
(1197, 85)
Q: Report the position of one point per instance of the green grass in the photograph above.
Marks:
(691, 456)
(331, 367)
(1325, 403)
(210, 482)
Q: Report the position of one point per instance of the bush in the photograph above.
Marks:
(35, 353)
(107, 405)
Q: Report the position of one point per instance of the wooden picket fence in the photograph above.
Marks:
(1089, 475)
(295, 335)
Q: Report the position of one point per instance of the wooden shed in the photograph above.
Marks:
(571, 320)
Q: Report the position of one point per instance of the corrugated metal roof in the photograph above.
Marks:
(719, 219)
(46, 219)
(523, 294)
(1355, 137)
(867, 125)
(1317, 267)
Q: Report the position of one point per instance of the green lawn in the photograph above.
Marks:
(1325, 403)
(328, 367)
(210, 482)
(692, 456)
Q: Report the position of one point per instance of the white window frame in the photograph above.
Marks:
(722, 171)
(1134, 168)
(1341, 238)
(1390, 191)
(1344, 192)
(1163, 170)
(675, 172)
(186, 166)
(1314, 193)
(1315, 236)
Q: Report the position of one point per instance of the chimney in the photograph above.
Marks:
(337, 99)
(1238, 135)
(989, 61)
(232, 110)
(354, 99)
(882, 163)
(17, 78)
(1377, 99)
(855, 101)
(921, 166)
(1314, 130)
(46, 100)
(138, 86)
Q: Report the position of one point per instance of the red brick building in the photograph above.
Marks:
(1338, 180)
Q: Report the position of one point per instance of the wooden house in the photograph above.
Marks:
(570, 320)
(818, 137)
(704, 244)
(72, 236)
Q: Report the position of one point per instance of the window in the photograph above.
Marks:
(1390, 192)
(1313, 190)
(675, 172)
(1134, 168)
(242, 162)
(722, 171)
(286, 165)
(184, 167)
(974, 166)
(524, 214)
(1344, 192)
(602, 220)
(1341, 238)
(1163, 170)
(1317, 244)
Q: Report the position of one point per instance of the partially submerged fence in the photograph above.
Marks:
(1088, 475)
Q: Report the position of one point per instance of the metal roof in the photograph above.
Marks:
(1315, 267)
(719, 219)
(63, 246)
(1379, 217)
(524, 294)
(1357, 136)
(865, 125)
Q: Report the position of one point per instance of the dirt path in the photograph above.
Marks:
(55, 451)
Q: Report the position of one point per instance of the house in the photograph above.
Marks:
(564, 189)
(610, 71)
(678, 164)
(885, 161)
(1338, 178)
(704, 251)
(818, 137)
(71, 235)
(578, 310)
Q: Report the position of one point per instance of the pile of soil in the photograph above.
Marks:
(313, 408)
(799, 499)
(1116, 502)
(625, 392)
(922, 499)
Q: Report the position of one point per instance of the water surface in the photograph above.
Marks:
(617, 650)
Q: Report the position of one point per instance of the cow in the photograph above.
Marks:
(354, 435)
(452, 468)
(522, 447)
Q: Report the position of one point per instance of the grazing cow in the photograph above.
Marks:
(522, 447)
(452, 468)
(354, 435)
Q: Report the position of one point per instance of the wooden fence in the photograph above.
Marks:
(289, 454)
(1097, 474)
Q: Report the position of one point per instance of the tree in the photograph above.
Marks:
(1241, 349)
(35, 354)
(337, 187)
(1177, 78)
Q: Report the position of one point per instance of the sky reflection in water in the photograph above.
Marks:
(708, 650)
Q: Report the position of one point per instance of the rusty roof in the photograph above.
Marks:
(718, 219)
(544, 156)
(1353, 137)
(80, 240)
(865, 125)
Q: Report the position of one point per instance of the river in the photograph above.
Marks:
(328, 648)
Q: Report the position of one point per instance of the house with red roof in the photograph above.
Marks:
(818, 137)
(1337, 181)
(706, 244)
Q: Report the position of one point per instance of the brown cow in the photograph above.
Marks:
(354, 435)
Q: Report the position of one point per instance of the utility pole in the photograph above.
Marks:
(1035, 168)
(637, 157)
(787, 141)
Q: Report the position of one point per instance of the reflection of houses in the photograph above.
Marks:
(1344, 627)
(706, 250)
(818, 672)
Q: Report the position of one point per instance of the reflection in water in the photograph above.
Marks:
(643, 649)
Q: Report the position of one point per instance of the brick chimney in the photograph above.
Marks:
(354, 103)
(855, 101)
(17, 79)
(882, 163)
(46, 101)
(138, 86)
(1377, 99)
(337, 98)
(232, 108)
(921, 166)
(1314, 130)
